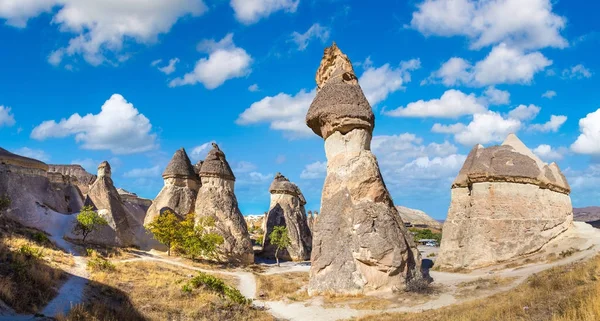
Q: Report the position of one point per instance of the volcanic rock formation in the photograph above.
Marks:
(359, 241)
(417, 218)
(216, 199)
(79, 176)
(180, 189)
(287, 209)
(104, 198)
(505, 203)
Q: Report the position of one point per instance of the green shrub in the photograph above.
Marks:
(31, 252)
(40, 238)
(216, 285)
(98, 263)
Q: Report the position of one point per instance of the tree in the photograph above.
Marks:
(88, 221)
(279, 237)
(195, 240)
(165, 228)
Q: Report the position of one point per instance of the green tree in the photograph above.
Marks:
(195, 240)
(88, 221)
(426, 234)
(279, 237)
(166, 228)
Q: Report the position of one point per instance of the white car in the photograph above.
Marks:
(431, 244)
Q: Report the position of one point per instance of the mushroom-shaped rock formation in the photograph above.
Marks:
(287, 209)
(505, 203)
(417, 218)
(216, 199)
(359, 240)
(104, 197)
(179, 191)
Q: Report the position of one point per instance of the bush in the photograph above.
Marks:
(31, 252)
(98, 263)
(426, 234)
(217, 286)
(418, 284)
(40, 238)
(4, 203)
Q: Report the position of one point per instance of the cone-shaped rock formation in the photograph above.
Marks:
(505, 203)
(180, 190)
(216, 199)
(359, 240)
(287, 209)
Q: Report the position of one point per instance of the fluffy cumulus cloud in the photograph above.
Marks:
(168, 68)
(548, 153)
(523, 112)
(549, 94)
(119, 127)
(532, 24)
(452, 104)
(314, 170)
(588, 141)
(484, 128)
(154, 171)
(33, 153)
(316, 31)
(577, 72)
(244, 167)
(199, 152)
(100, 28)
(253, 88)
(503, 65)
(225, 61)
(286, 112)
(553, 125)
(6, 117)
(251, 11)
(496, 96)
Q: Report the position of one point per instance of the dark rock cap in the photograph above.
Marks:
(104, 164)
(215, 165)
(180, 166)
(510, 162)
(340, 104)
(282, 185)
(7, 157)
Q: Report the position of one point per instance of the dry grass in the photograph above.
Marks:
(371, 303)
(564, 293)
(153, 291)
(31, 268)
(482, 285)
(277, 287)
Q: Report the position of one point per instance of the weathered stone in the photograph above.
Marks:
(505, 203)
(79, 176)
(417, 218)
(359, 241)
(287, 209)
(216, 199)
(180, 190)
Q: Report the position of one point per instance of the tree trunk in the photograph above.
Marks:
(169, 249)
(277, 255)
(84, 236)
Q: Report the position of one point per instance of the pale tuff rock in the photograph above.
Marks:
(77, 174)
(359, 240)
(180, 190)
(505, 203)
(216, 199)
(417, 218)
(103, 197)
(287, 209)
(30, 187)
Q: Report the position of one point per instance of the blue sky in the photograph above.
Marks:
(146, 78)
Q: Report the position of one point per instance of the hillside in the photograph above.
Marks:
(586, 214)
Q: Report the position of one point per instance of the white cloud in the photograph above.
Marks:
(251, 11)
(33, 153)
(547, 153)
(253, 88)
(484, 128)
(495, 96)
(426, 168)
(315, 31)
(199, 152)
(154, 63)
(452, 104)
(576, 72)
(378, 83)
(88, 164)
(143, 172)
(6, 117)
(119, 127)
(169, 68)
(553, 125)
(549, 94)
(101, 27)
(588, 141)
(503, 65)
(244, 167)
(314, 170)
(225, 61)
(395, 150)
(525, 24)
(254, 178)
(523, 112)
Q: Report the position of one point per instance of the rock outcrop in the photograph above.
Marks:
(104, 198)
(417, 218)
(180, 189)
(359, 241)
(287, 209)
(216, 199)
(78, 175)
(505, 203)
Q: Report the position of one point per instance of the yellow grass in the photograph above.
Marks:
(282, 286)
(482, 285)
(563, 293)
(153, 291)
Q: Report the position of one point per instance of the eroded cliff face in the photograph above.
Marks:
(505, 203)
(359, 240)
